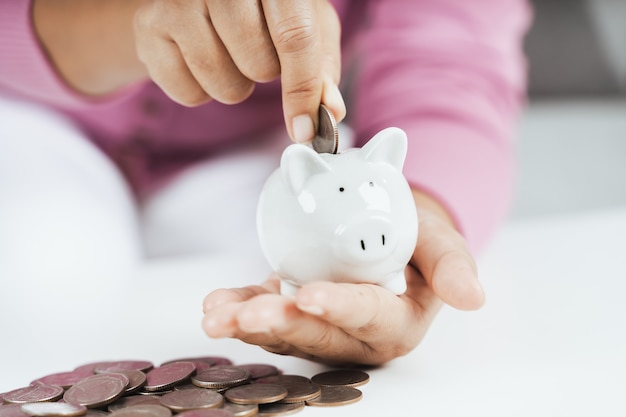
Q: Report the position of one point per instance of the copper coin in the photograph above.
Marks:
(279, 409)
(97, 390)
(240, 410)
(217, 360)
(298, 391)
(260, 370)
(281, 379)
(220, 377)
(327, 138)
(211, 412)
(256, 394)
(154, 393)
(168, 376)
(136, 379)
(34, 393)
(200, 364)
(12, 410)
(54, 409)
(344, 377)
(96, 413)
(190, 399)
(134, 400)
(143, 366)
(209, 360)
(192, 386)
(143, 410)
(336, 395)
(63, 379)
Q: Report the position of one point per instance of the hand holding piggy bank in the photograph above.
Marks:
(347, 217)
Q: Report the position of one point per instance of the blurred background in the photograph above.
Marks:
(573, 135)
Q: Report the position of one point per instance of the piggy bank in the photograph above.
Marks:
(347, 217)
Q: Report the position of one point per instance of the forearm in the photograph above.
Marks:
(90, 42)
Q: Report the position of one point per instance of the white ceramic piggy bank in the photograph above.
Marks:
(347, 217)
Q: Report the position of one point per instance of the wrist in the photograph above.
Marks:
(90, 42)
(429, 206)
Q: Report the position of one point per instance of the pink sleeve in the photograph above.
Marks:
(452, 75)
(25, 69)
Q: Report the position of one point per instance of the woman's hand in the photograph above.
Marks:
(198, 50)
(355, 323)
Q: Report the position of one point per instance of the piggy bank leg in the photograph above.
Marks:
(395, 283)
(288, 288)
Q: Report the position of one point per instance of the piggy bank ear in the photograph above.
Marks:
(389, 145)
(298, 163)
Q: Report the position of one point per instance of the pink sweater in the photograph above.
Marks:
(450, 73)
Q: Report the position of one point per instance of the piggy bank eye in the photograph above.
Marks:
(341, 189)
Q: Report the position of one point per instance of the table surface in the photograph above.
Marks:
(551, 339)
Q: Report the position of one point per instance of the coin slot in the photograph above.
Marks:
(362, 245)
(383, 240)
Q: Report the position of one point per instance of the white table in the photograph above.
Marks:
(551, 340)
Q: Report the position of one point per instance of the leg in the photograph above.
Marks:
(211, 208)
(68, 229)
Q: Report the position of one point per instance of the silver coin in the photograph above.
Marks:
(327, 138)
(54, 409)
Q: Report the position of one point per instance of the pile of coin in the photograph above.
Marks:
(191, 387)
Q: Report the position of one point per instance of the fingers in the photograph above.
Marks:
(167, 68)
(275, 323)
(223, 296)
(308, 51)
(444, 260)
(242, 28)
(372, 313)
(185, 56)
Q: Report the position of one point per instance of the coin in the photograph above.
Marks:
(167, 376)
(134, 400)
(209, 360)
(97, 390)
(143, 410)
(279, 409)
(214, 412)
(34, 393)
(136, 379)
(12, 410)
(190, 399)
(200, 364)
(256, 394)
(96, 413)
(63, 379)
(298, 391)
(281, 379)
(260, 370)
(240, 410)
(344, 377)
(220, 377)
(143, 366)
(327, 138)
(54, 409)
(335, 395)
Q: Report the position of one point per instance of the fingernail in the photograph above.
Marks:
(303, 129)
(313, 310)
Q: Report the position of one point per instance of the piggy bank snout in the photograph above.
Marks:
(366, 239)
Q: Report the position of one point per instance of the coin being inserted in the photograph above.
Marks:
(327, 138)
